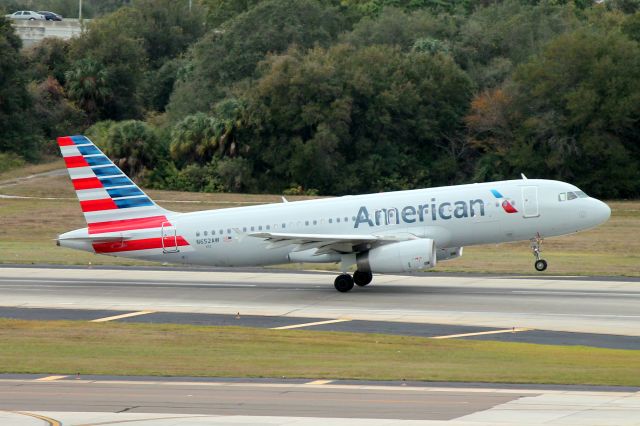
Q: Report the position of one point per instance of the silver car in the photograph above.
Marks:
(26, 15)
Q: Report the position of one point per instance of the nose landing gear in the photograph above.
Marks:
(536, 248)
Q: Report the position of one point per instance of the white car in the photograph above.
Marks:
(26, 15)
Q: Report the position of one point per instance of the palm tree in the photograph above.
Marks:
(87, 85)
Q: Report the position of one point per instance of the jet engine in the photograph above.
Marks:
(448, 253)
(404, 256)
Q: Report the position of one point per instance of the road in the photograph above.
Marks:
(66, 400)
(580, 305)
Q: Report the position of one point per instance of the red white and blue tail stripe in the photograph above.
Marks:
(111, 203)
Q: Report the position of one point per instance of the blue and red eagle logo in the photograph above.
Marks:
(507, 206)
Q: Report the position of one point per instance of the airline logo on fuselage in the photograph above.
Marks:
(422, 212)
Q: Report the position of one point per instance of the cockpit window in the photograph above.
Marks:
(571, 195)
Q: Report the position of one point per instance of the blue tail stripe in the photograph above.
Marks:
(496, 193)
(133, 202)
(79, 140)
(124, 192)
(88, 150)
(106, 171)
(98, 161)
(115, 181)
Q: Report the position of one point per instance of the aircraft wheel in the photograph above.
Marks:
(540, 265)
(343, 283)
(362, 278)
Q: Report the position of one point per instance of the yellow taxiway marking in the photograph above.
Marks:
(48, 420)
(310, 324)
(49, 378)
(129, 315)
(509, 330)
(319, 382)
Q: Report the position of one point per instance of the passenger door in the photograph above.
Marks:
(530, 201)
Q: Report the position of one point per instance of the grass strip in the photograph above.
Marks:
(70, 347)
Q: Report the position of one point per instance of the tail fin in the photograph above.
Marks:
(110, 201)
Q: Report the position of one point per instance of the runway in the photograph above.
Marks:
(65, 400)
(566, 305)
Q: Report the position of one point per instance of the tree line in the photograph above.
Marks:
(338, 96)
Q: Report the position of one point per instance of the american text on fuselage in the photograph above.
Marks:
(420, 213)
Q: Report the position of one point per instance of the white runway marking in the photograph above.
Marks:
(129, 315)
(480, 333)
(49, 378)
(319, 382)
(310, 324)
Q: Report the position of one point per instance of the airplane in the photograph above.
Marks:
(391, 232)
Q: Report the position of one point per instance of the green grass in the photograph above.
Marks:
(69, 347)
(30, 226)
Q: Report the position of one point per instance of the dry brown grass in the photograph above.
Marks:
(30, 226)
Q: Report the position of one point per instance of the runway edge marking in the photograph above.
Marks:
(310, 324)
(129, 315)
(481, 333)
(319, 382)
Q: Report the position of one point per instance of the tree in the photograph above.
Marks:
(19, 132)
(351, 120)
(134, 147)
(577, 113)
(88, 86)
(222, 58)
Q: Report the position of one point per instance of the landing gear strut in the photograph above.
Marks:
(536, 247)
(362, 278)
(343, 283)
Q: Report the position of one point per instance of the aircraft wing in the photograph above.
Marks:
(328, 243)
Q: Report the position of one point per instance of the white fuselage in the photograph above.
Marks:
(452, 216)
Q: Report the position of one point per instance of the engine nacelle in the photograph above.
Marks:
(448, 253)
(403, 256)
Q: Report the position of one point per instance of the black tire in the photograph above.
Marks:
(540, 265)
(343, 283)
(362, 278)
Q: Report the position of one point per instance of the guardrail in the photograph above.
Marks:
(32, 32)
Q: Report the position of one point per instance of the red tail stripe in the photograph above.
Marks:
(87, 183)
(128, 224)
(97, 205)
(143, 244)
(65, 141)
(77, 161)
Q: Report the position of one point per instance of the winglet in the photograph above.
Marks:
(523, 176)
(284, 200)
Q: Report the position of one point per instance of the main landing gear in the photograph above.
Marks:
(344, 282)
(536, 247)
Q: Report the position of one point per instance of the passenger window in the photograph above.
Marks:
(315, 222)
(228, 231)
(197, 234)
(306, 223)
(571, 196)
(244, 229)
(221, 231)
(213, 232)
(260, 228)
(253, 228)
(330, 220)
(338, 220)
(268, 227)
(206, 233)
(284, 225)
(346, 219)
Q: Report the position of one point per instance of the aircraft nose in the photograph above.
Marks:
(601, 211)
